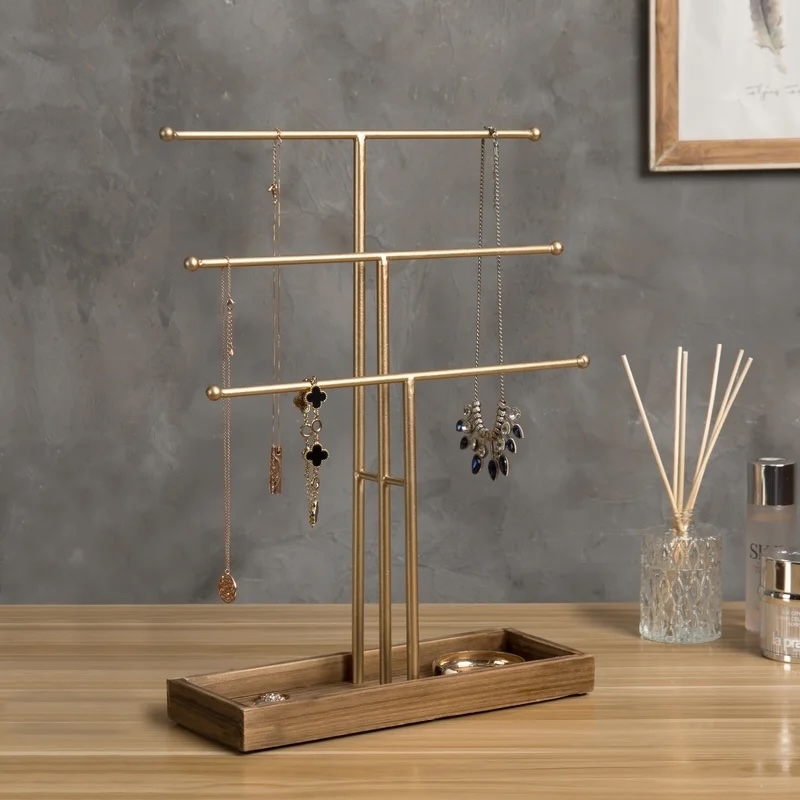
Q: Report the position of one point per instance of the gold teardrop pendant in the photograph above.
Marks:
(227, 587)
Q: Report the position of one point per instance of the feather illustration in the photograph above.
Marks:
(768, 27)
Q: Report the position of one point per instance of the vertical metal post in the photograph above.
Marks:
(384, 468)
(411, 555)
(359, 422)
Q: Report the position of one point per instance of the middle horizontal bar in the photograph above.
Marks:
(168, 134)
(193, 264)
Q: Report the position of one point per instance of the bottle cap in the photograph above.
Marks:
(780, 573)
(770, 482)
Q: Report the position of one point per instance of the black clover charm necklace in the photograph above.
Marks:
(496, 442)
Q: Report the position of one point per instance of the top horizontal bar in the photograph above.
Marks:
(168, 134)
(192, 263)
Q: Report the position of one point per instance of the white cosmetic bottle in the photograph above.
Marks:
(771, 523)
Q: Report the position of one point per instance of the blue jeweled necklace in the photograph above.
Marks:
(497, 442)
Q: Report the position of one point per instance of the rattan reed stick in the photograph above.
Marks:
(653, 446)
(682, 512)
(676, 441)
(726, 396)
(723, 415)
(711, 398)
(682, 447)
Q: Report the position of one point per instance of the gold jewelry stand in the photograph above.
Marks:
(347, 693)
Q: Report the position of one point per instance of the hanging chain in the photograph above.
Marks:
(479, 276)
(275, 189)
(228, 302)
(495, 440)
(276, 451)
(500, 353)
(227, 585)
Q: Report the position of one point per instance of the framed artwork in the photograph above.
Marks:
(724, 84)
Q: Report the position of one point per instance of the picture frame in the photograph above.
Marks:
(742, 109)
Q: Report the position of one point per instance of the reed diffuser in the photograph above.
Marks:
(681, 579)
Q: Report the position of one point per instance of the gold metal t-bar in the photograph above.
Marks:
(553, 249)
(170, 135)
(217, 393)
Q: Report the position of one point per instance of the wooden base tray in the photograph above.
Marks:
(322, 703)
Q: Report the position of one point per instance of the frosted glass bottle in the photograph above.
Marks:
(771, 523)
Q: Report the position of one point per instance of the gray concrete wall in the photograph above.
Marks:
(110, 456)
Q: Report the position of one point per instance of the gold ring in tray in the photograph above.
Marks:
(471, 660)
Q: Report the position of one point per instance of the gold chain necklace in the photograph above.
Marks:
(276, 450)
(227, 585)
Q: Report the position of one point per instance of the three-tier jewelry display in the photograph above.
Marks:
(349, 692)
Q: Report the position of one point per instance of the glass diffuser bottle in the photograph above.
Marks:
(681, 583)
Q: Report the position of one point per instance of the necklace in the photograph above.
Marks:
(276, 450)
(491, 443)
(227, 585)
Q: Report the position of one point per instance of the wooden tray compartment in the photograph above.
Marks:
(322, 703)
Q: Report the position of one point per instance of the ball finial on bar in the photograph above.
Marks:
(192, 263)
(166, 134)
(556, 248)
(583, 361)
(536, 134)
(213, 393)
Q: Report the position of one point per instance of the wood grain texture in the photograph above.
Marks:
(82, 711)
(321, 702)
(668, 152)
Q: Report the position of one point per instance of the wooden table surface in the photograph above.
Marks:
(82, 711)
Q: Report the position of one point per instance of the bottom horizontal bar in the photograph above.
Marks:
(392, 480)
(581, 362)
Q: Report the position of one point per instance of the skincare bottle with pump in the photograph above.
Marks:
(771, 523)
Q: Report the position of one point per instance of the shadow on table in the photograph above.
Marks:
(736, 638)
(625, 620)
(618, 618)
(156, 714)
